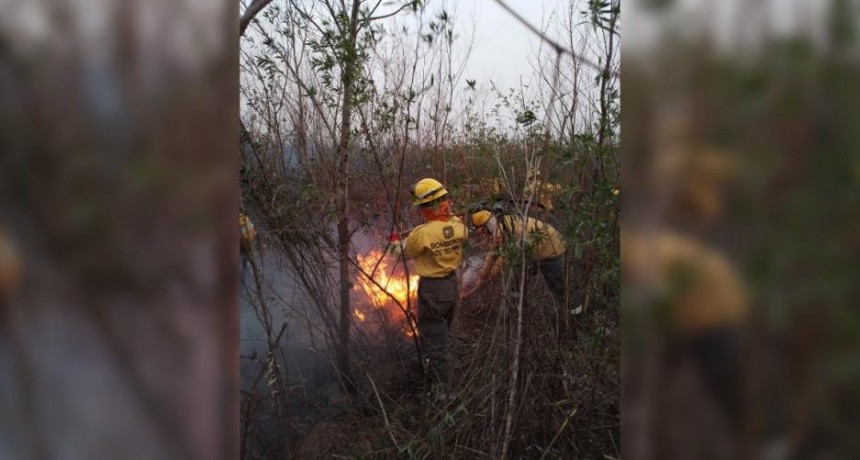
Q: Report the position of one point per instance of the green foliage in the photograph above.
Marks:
(593, 237)
(603, 14)
(413, 450)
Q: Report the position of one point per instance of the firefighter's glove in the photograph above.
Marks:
(395, 249)
(395, 245)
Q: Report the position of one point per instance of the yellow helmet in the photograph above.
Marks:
(481, 217)
(427, 190)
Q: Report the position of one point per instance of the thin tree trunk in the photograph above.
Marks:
(518, 340)
(602, 132)
(348, 79)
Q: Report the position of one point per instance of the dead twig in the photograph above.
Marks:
(384, 414)
(557, 433)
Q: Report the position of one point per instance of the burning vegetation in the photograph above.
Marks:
(384, 291)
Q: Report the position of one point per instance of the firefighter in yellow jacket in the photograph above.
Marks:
(544, 249)
(698, 299)
(247, 232)
(247, 235)
(541, 191)
(436, 247)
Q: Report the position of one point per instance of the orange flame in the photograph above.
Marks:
(386, 287)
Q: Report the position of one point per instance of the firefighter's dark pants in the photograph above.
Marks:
(718, 354)
(552, 270)
(437, 298)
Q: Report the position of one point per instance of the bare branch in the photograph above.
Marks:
(554, 44)
(255, 7)
(384, 414)
(388, 15)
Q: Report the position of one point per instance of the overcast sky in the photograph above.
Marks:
(504, 49)
(735, 24)
(502, 44)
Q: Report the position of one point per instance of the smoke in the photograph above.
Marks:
(310, 390)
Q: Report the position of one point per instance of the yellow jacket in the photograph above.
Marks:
(493, 186)
(545, 192)
(697, 286)
(436, 247)
(542, 242)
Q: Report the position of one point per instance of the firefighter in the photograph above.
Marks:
(494, 188)
(544, 248)
(247, 235)
(436, 247)
(247, 232)
(699, 302)
(541, 191)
